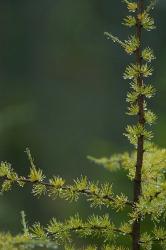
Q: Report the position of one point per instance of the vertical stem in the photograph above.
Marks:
(140, 144)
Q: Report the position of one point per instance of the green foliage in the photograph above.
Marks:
(23, 242)
(24, 223)
(150, 117)
(134, 71)
(146, 21)
(132, 6)
(153, 200)
(97, 194)
(129, 21)
(147, 54)
(130, 45)
(150, 203)
(135, 131)
(96, 226)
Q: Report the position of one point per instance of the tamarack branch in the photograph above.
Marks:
(145, 168)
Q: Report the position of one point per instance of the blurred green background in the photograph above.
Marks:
(63, 96)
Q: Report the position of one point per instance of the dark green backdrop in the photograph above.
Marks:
(63, 96)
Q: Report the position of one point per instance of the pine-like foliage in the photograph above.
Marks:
(145, 167)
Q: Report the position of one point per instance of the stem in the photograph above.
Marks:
(140, 144)
(85, 227)
(86, 191)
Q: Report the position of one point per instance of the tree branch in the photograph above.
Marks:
(140, 143)
(104, 198)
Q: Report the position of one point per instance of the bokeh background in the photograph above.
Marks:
(63, 96)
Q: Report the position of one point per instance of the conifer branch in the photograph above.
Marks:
(61, 233)
(158, 236)
(96, 194)
(145, 166)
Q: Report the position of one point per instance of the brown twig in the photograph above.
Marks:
(140, 143)
(87, 192)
